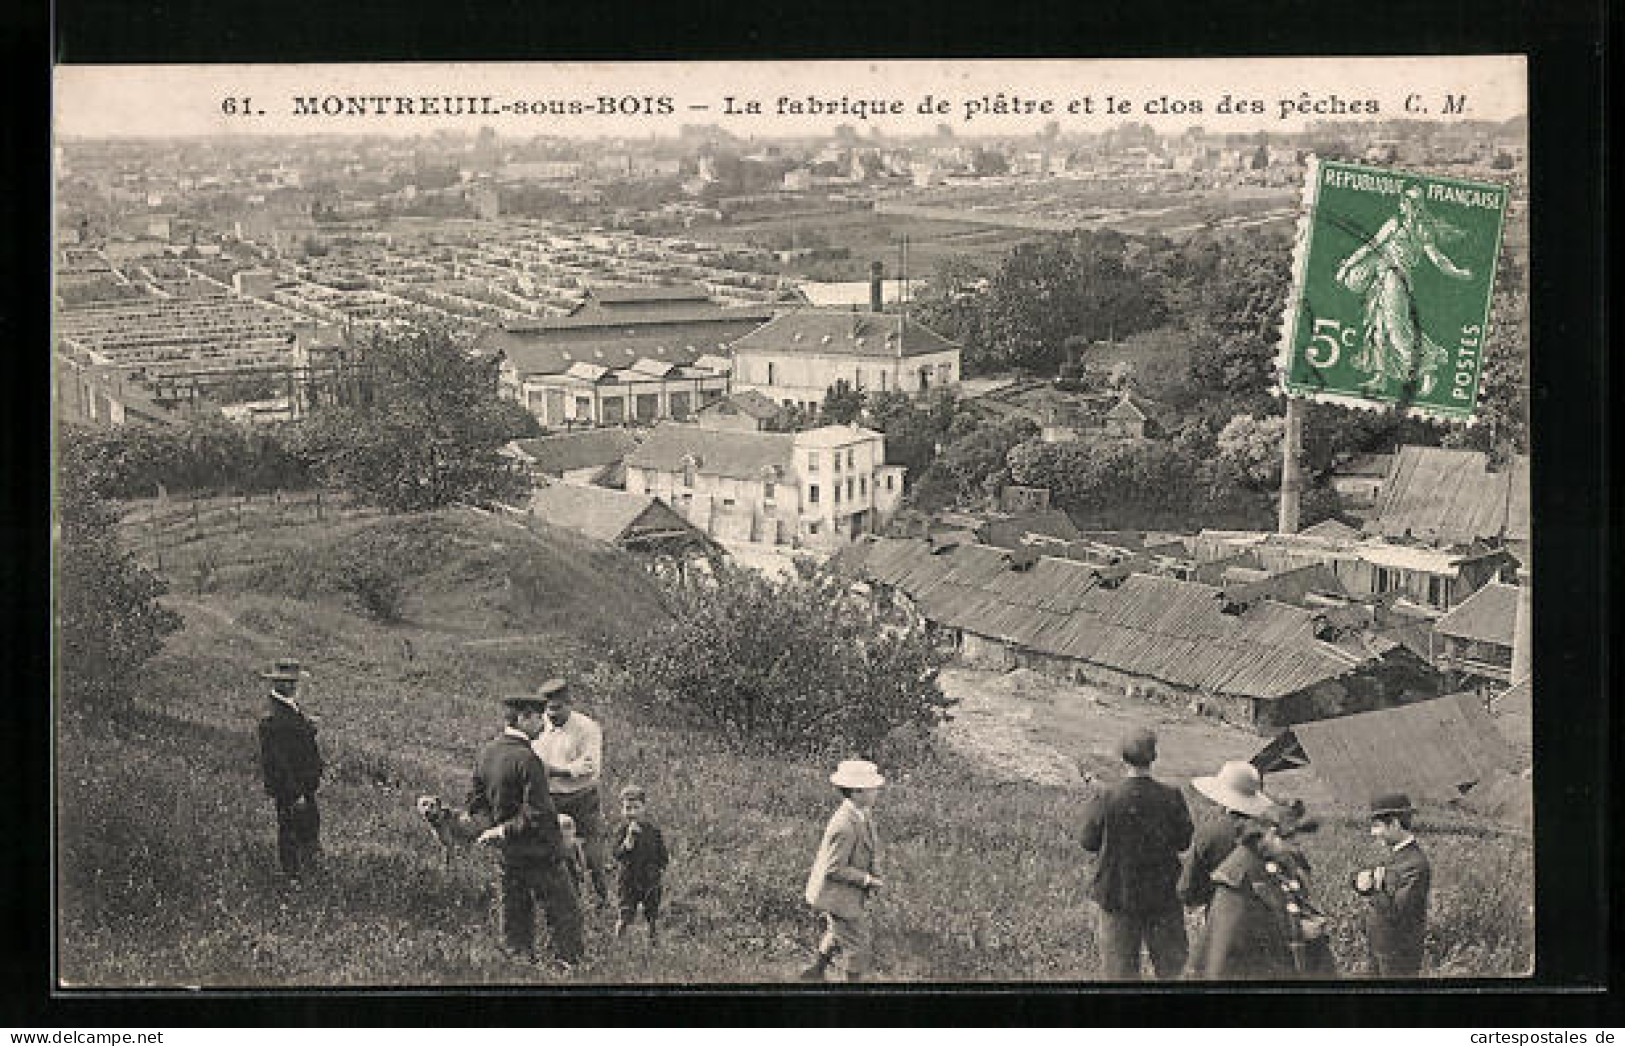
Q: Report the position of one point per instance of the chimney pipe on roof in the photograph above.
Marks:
(877, 298)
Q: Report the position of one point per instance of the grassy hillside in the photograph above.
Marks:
(167, 857)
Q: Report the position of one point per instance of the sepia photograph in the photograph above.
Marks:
(803, 523)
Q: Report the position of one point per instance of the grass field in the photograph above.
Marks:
(166, 862)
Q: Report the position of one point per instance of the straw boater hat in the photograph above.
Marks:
(553, 688)
(856, 773)
(286, 670)
(1237, 787)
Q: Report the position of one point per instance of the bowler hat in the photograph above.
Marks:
(1237, 786)
(856, 773)
(1390, 804)
(525, 702)
(1139, 748)
(285, 669)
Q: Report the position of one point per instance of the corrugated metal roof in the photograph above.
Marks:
(824, 332)
(1487, 616)
(1429, 750)
(1158, 627)
(1449, 497)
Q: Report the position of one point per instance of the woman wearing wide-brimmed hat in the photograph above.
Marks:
(1261, 922)
(844, 874)
(1237, 799)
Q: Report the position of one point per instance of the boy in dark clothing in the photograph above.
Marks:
(291, 765)
(1397, 891)
(640, 860)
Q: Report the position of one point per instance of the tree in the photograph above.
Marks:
(428, 436)
(842, 404)
(108, 618)
(1251, 448)
(795, 663)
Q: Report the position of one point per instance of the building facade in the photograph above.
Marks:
(817, 489)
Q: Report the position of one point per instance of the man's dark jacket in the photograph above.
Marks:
(1397, 920)
(510, 788)
(289, 758)
(1138, 828)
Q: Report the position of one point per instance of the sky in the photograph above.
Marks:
(184, 100)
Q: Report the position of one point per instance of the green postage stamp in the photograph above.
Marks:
(1392, 276)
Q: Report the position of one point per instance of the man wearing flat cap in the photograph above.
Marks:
(1396, 890)
(571, 746)
(1138, 829)
(510, 795)
(291, 765)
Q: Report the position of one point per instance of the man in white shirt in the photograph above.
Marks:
(571, 746)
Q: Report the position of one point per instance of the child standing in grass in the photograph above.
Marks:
(640, 861)
(843, 874)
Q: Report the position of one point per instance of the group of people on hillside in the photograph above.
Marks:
(1244, 871)
(1241, 868)
(534, 798)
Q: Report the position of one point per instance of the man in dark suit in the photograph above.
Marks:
(509, 794)
(291, 765)
(1138, 828)
(1396, 891)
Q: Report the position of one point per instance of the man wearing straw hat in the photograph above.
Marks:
(1138, 828)
(1396, 890)
(843, 874)
(509, 793)
(291, 765)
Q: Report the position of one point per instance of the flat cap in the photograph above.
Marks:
(554, 687)
(525, 702)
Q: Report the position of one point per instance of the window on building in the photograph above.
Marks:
(849, 488)
(727, 502)
(767, 490)
(857, 379)
(837, 493)
(849, 457)
(890, 480)
(882, 381)
(688, 473)
(1436, 592)
(812, 494)
(583, 408)
(812, 461)
(812, 528)
(837, 457)
(772, 373)
(945, 373)
(863, 486)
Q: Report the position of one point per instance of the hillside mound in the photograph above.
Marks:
(455, 570)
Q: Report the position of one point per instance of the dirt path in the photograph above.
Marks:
(1024, 725)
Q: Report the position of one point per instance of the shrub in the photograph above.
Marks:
(796, 663)
(109, 621)
(374, 588)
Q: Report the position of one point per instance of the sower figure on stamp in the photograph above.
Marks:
(1138, 828)
(571, 746)
(1396, 890)
(291, 764)
(843, 875)
(640, 858)
(510, 794)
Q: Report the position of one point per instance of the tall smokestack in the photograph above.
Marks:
(877, 296)
(1523, 632)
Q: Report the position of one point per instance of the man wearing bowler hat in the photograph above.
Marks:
(291, 765)
(1396, 890)
(571, 746)
(1138, 828)
(510, 795)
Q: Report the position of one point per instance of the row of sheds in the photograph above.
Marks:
(1185, 636)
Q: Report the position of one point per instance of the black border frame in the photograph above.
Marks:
(1566, 44)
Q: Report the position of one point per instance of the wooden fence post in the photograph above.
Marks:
(318, 504)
